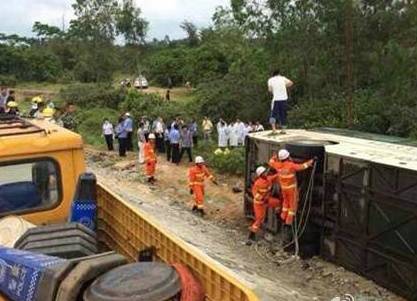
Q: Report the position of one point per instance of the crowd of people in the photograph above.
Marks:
(40, 108)
(175, 138)
(232, 134)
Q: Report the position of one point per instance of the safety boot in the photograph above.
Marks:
(201, 212)
(194, 209)
(286, 235)
(251, 238)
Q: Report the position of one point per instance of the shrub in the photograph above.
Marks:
(153, 105)
(90, 121)
(232, 162)
(93, 95)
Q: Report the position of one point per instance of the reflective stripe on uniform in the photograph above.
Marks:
(291, 213)
(289, 187)
(286, 176)
(196, 183)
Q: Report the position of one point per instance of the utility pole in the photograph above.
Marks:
(349, 59)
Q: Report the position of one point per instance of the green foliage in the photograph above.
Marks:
(232, 162)
(130, 24)
(93, 95)
(7, 80)
(90, 122)
(153, 106)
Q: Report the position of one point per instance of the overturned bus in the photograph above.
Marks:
(362, 208)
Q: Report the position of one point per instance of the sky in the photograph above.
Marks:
(164, 16)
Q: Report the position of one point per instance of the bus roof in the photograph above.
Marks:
(377, 151)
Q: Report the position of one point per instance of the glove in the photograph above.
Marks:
(191, 191)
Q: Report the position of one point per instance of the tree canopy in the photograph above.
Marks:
(341, 54)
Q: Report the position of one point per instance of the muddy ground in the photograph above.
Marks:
(223, 232)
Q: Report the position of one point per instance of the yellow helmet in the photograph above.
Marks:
(37, 99)
(12, 104)
(48, 112)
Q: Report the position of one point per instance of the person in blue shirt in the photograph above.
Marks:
(174, 139)
(129, 128)
(121, 133)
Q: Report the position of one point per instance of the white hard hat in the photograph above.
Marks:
(152, 136)
(283, 154)
(127, 114)
(260, 171)
(199, 160)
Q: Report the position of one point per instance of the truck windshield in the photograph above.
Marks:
(29, 186)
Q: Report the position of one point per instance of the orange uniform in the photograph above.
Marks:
(196, 176)
(287, 179)
(150, 159)
(262, 200)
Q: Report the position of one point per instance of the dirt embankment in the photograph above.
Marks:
(223, 232)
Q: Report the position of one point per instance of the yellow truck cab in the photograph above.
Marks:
(40, 164)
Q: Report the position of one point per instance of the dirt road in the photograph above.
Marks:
(222, 234)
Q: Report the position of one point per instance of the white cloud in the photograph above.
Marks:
(165, 16)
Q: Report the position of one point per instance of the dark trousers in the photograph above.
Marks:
(195, 140)
(122, 147)
(279, 113)
(188, 150)
(109, 142)
(129, 143)
(175, 153)
(160, 143)
(168, 150)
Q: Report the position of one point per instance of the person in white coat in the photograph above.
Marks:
(241, 132)
(246, 130)
(223, 133)
(234, 134)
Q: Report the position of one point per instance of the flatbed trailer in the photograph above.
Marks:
(29, 149)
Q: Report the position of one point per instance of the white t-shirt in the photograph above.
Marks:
(107, 128)
(278, 85)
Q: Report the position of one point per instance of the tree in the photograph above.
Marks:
(191, 31)
(45, 31)
(130, 24)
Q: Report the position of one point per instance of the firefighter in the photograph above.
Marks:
(262, 200)
(287, 179)
(196, 176)
(150, 158)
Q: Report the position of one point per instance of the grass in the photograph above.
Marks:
(44, 86)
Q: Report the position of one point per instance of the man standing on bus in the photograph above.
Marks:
(278, 85)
